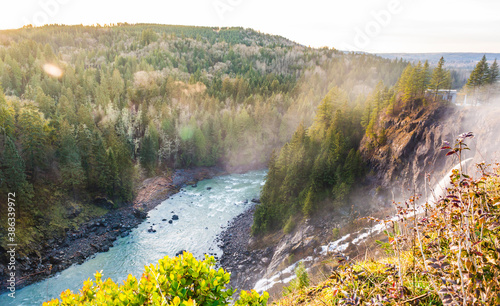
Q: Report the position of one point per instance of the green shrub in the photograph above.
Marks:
(335, 233)
(300, 282)
(182, 280)
(252, 298)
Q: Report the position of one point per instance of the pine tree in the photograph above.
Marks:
(382, 137)
(48, 53)
(200, 145)
(112, 178)
(66, 108)
(15, 73)
(71, 165)
(426, 77)
(12, 167)
(33, 130)
(85, 147)
(391, 106)
(403, 79)
(411, 88)
(308, 206)
(45, 103)
(148, 36)
(122, 156)
(116, 88)
(493, 77)
(366, 116)
(6, 115)
(440, 78)
(479, 75)
(149, 150)
(98, 175)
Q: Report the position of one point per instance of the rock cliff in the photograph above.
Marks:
(412, 153)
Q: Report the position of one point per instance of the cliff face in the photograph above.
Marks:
(412, 150)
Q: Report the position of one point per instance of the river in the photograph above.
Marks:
(203, 211)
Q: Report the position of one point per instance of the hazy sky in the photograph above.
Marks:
(367, 25)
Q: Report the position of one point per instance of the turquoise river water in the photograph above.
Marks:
(202, 215)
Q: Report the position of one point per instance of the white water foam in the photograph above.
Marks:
(267, 283)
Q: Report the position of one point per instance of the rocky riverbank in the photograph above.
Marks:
(246, 265)
(99, 234)
(251, 259)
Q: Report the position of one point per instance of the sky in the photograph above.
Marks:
(378, 26)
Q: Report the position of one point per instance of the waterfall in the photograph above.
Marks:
(340, 245)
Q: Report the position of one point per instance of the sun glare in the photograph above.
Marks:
(53, 70)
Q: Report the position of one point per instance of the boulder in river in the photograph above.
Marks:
(209, 188)
(175, 217)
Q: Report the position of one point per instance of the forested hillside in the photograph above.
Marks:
(88, 112)
(320, 164)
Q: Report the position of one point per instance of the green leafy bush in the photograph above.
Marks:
(182, 280)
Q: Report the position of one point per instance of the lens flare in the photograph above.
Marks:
(53, 70)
